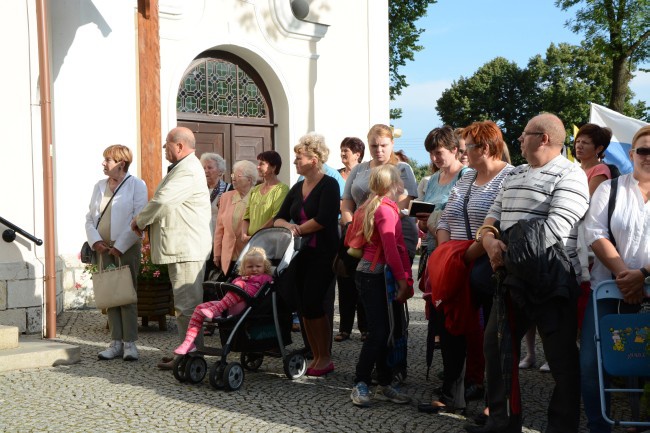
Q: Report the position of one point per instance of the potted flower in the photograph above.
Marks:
(149, 271)
(155, 299)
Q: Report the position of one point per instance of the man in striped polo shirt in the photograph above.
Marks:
(552, 188)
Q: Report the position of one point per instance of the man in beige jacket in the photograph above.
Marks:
(178, 217)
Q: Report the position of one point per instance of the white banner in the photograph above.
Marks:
(623, 129)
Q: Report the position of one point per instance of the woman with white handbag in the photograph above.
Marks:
(115, 201)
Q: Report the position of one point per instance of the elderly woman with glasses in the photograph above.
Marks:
(214, 167)
(228, 242)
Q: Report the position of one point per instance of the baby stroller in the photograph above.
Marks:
(622, 346)
(262, 329)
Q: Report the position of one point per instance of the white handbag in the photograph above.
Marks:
(113, 287)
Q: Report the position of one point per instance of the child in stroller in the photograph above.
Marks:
(255, 272)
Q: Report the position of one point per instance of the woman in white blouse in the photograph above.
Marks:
(626, 258)
(116, 200)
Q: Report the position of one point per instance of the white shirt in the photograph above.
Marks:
(630, 225)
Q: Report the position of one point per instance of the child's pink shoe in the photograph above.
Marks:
(207, 313)
(185, 348)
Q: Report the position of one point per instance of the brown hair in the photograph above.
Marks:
(599, 135)
(441, 137)
(355, 145)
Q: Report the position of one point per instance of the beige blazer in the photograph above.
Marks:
(227, 235)
(178, 215)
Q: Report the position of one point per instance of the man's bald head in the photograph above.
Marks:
(180, 143)
(552, 126)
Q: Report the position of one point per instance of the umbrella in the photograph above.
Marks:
(504, 337)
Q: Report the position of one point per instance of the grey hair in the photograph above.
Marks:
(221, 163)
(248, 168)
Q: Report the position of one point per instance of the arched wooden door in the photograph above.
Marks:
(224, 101)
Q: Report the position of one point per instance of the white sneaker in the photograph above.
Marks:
(545, 368)
(388, 393)
(360, 395)
(130, 351)
(114, 350)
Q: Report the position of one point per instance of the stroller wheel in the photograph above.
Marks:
(233, 376)
(251, 361)
(195, 369)
(295, 364)
(179, 368)
(216, 375)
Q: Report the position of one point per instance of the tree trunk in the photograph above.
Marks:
(620, 79)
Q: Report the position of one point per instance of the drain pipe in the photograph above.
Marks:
(49, 277)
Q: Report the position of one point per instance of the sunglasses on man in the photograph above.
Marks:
(642, 151)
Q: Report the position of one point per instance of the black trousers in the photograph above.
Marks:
(453, 349)
(349, 304)
(556, 321)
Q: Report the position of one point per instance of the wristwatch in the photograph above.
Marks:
(646, 274)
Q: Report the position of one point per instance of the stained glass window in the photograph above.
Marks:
(216, 87)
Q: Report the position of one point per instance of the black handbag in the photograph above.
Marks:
(344, 265)
(86, 253)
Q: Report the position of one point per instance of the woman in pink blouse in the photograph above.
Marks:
(590, 144)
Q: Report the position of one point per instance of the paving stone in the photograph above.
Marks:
(123, 396)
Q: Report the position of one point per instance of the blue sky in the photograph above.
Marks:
(462, 35)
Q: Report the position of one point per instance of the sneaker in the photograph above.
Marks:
(545, 368)
(114, 350)
(130, 351)
(360, 395)
(388, 393)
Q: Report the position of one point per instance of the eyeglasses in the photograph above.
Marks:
(471, 146)
(525, 133)
(234, 176)
(642, 151)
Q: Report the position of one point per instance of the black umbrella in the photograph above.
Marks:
(504, 337)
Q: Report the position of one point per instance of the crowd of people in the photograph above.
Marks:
(509, 252)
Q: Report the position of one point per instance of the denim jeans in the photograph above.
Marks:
(372, 294)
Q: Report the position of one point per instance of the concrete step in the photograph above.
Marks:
(35, 352)
(8, 337)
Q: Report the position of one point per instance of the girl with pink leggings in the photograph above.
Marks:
(255, 271)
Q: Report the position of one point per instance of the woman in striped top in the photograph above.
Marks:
(485, 145)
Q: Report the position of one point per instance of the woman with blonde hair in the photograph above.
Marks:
(310, 211)
(357, 188)
(115, 201)
(384, 246)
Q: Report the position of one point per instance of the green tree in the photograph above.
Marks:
(403, 41)
(620, 31)
(567, 80)
(564, 82)
(499, 91)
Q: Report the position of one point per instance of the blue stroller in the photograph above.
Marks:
(622, 347)
(262, 329)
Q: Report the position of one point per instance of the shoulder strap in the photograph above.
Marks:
(461, 172)
(465, 201)
(111, 199)
(610, 208)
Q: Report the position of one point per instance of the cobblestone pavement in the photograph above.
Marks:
(118, 396)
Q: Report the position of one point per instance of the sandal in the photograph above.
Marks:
(342, 336)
